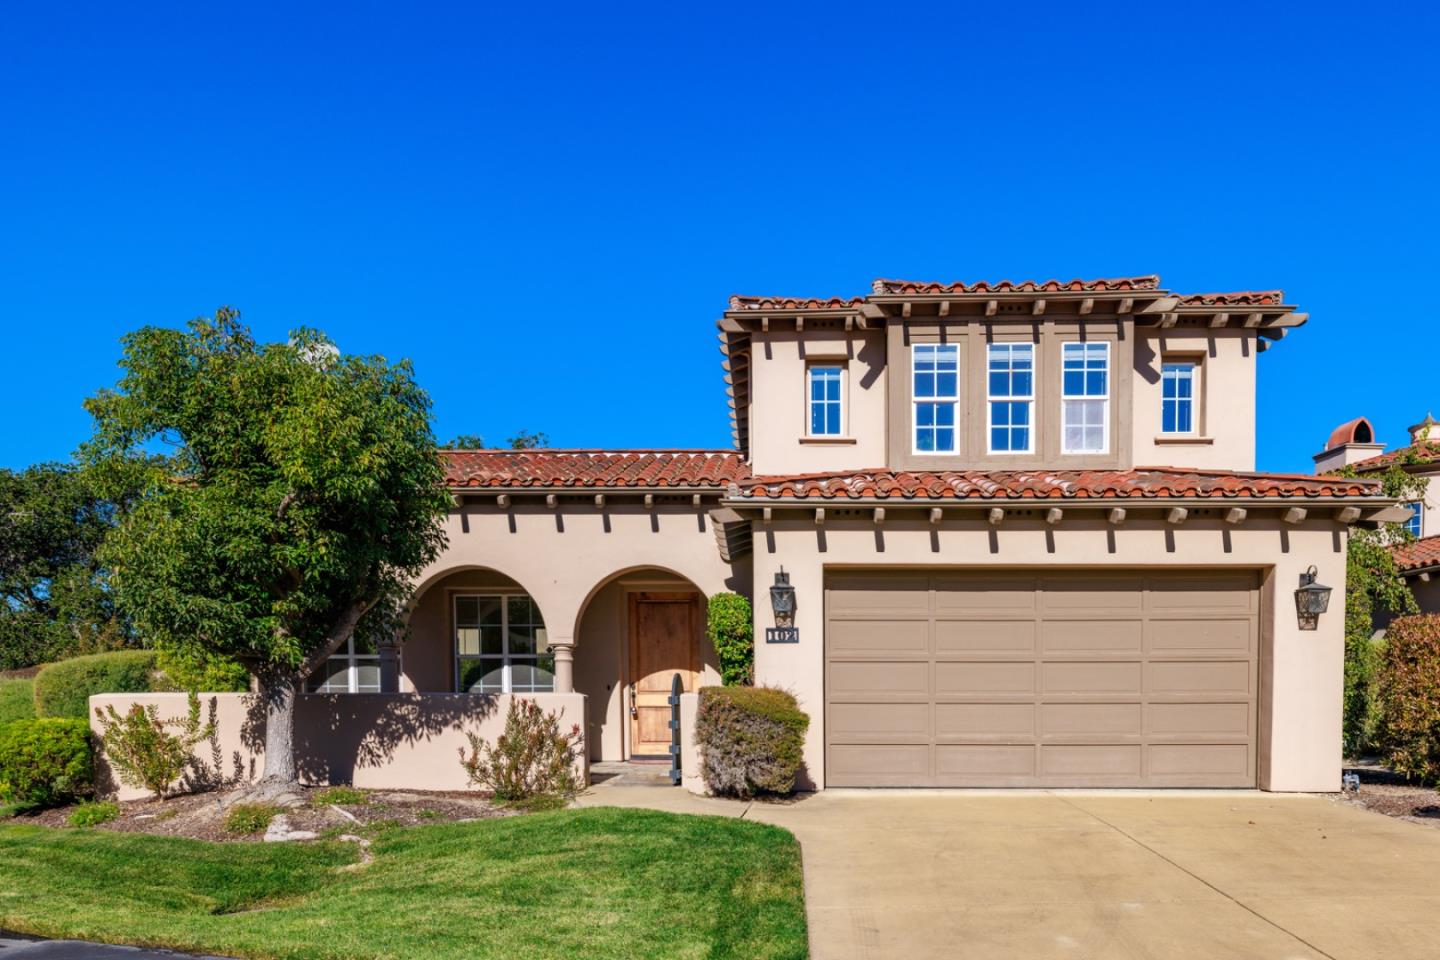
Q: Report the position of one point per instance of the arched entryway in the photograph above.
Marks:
(635, 630)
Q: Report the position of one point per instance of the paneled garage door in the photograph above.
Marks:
(1036, 680)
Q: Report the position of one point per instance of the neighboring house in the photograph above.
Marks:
(1020, 524)
(1353, 445)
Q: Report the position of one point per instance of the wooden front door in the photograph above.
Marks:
(664, 641)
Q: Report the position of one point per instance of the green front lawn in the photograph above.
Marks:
(591, 883)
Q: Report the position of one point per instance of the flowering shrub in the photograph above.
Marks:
(751, 740)
(531, 764)
(1410, 696)
(142, 749)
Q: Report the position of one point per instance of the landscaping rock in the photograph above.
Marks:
(279, 831)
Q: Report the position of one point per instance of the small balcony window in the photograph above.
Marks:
(1177, 398)
(825, 393)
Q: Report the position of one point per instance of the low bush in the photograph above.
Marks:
(731, 626)
(247, 819)
(1410, 696)
(90, 814)
(45, 762)
(144, 751)
(342, 796)
(531, 764)
(751, 739)
(216, 675)
(64, 689)
(17, 700)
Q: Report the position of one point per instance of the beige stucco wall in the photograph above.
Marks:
(1299, 733)
(778, 407)
(1427, 593)
(371, 740)
(1227, 386)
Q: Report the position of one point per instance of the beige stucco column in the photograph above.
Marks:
(564, 651)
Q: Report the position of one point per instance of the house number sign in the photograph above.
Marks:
(782, 634)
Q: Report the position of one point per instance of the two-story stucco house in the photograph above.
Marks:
(1021, 524)
(1353, 445)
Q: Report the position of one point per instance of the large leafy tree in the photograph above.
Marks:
(53, 597)
(289, 496)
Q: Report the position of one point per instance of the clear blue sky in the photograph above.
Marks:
(546, 207)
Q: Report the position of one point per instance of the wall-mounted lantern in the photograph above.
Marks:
(1311, 600)
(782, 600)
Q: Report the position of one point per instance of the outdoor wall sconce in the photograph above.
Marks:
(782, 600)
(1311, 600)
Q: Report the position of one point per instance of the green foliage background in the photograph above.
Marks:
(731, 627)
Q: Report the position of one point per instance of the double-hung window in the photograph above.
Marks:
(1011, 374)
(1417, 518)
(936, 375)
(825, 405)
(1085, 397)
(1177, 397)
(354, 668)
(500, 646)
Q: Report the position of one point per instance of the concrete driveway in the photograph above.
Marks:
(1219, 876)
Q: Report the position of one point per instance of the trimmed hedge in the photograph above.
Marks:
(17, 700)
(1410, 696)
(64, 689)
(731, 626)
(752, 740)
(45, 762)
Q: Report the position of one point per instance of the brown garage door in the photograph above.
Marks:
(1056, 679)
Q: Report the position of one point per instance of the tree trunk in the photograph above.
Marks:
(278, 693)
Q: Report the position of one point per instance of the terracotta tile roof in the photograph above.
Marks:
(1426, 451)
(593, 468)
(738, 302)
(1151, 282)
(1350, 432)
(1417, 554)
(1142, 482)
(1242, 298)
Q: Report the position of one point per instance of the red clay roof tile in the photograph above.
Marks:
(1142, 482)
(1241, 298)
(592, 468)
(1426, 451)
(1150, 282)
(738, 302)
(1417, 554)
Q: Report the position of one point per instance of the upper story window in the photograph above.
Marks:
(1011, 385)
(1415, 525)
(1177, 397)
(936, 396)
(825, 404)
(355, 668)
(1085, 398)
(500, 646)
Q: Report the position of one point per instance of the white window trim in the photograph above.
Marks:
(810, 400)
(937, 400)
(506, 684)
(352, 670)
(1103, 397)
(1029, 401)
(1194, 397)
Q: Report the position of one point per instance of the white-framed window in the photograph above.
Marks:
(1416, 524)
(827, 382)
(355, 668)
(500, 645)
(1085, 397)
(1011, 386)
(935, 371)
(1177, 397)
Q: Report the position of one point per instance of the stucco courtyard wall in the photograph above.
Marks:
(370, 740)
(1298, 737)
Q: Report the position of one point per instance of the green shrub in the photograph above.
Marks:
(751, 739)
(45, 761)
(142, 749)
(247, 819)
(17, 700)
(531, 764)
(731, 627)
(1410, 696)
(183, 675)
(90, 814)
(64, 689)
(342, 796)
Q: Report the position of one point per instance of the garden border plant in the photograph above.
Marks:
(751, 739)
(531, 764)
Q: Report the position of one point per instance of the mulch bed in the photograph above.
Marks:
(1393, 795)
(201, 816)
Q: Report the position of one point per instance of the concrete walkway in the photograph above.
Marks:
(1080, 875)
